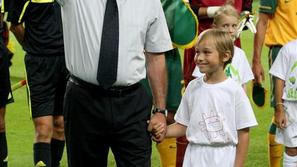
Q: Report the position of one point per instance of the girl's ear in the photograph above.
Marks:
(226, 56)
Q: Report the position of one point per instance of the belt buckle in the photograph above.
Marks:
(73, 81)
(117, 92)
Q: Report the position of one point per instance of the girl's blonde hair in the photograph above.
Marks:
(227, 10)
(222, 41)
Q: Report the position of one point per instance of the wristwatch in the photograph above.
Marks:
(159, 110)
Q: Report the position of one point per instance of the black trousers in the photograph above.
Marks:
(97, 120)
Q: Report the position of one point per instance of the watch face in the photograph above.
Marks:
(158, 110)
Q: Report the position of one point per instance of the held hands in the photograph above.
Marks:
(157, 126)
(280, 116)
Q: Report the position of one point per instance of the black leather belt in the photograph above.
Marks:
(116, 91)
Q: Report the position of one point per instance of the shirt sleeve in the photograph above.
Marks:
(280, 65)
(247, 73)
(244, 113)
(14, 11)
(182, 115)
(6, 5)
(267, 6)
(157, 36)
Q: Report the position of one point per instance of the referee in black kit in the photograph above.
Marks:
(38, 28)
(4, 88)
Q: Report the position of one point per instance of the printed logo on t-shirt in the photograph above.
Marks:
(212, 126)
(232, 72)
(291, 86)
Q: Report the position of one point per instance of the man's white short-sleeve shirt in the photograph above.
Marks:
(142, 27)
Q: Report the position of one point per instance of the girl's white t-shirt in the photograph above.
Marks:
(214, 112)
(285, 68)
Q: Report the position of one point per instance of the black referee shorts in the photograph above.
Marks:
(4, 78)
(46, 78)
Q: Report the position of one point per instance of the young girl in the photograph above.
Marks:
(284, 69)
(215, 113)
(227, 19)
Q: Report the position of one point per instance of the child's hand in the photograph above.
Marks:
(158, 131)
(280, 117)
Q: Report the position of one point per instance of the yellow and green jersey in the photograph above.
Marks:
(282, 26)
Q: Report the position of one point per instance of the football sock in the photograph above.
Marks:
(275, 151)
(42, 155)
(181, 145)
(57, 148)
(167, 152)
(3, 150)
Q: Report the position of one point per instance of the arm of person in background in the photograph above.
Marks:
(207, 12)
(157, 77)
(18, 30)
(242, 147)
(259, 37)
(279, 113)
(230, 2)
(1, 18)
(204, 12)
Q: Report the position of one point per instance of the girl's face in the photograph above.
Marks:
(207, 57)
(228, 24)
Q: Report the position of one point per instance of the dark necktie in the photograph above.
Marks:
(108, 60)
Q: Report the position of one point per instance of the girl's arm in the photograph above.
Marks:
(176, 130)
(279, 114)
(242, 147)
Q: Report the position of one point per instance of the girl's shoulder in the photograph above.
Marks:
(232, 86)
(238, 51)
(197, 82)
(291, 46)
(239, 56)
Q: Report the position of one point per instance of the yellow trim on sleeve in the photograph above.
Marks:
(33, 1)
(42, 1)
(193, 42)
(2, 6)
(265, 7)
(23, 11)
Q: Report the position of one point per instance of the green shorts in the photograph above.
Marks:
(273, 51)
(175, 77)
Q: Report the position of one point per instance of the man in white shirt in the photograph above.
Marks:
(98, 118)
